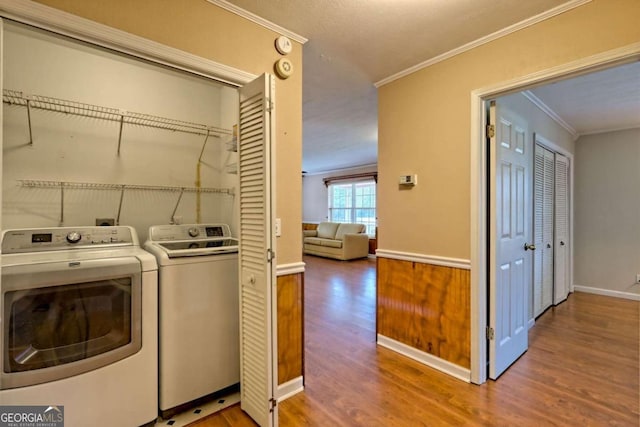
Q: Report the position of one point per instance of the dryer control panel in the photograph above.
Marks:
(163, 233)
(64, 238)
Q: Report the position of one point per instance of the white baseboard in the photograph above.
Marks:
(441, 365)
(531, 323)
(290, 388)
(607, 292)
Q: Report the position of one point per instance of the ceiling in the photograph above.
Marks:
(601, 101)
(354, 44)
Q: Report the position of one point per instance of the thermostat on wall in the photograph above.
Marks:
(408, 179)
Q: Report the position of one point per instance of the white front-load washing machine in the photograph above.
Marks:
(79, 325)
(198, 313)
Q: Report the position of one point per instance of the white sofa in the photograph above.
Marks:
(337, 240)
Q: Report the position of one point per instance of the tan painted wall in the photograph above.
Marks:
(607, 211)
(203, 29)
(424, 122)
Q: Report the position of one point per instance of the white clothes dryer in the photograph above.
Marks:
(198, 313)
(79, 324)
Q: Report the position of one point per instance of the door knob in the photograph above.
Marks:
(528, 246)
(561, 243)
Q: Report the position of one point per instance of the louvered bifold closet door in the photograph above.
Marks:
(543, 229)
(257, 321)
(547, 230)
(538, 209)
(562, 229)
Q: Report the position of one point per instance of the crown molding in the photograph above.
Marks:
(484, 40)
(608, 130)
(258, 20)
(549, 112)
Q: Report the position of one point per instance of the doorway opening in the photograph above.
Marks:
(481, 172)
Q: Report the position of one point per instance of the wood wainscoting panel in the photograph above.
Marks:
(427, 307)
(443, 312)
(395, 307)
(290, 327)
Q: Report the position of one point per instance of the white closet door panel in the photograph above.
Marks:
(538, 217)
(562, 229)
(258, 369)
(547, 230)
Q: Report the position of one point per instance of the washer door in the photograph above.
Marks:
(65, 318)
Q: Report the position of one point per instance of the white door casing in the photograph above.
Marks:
(258, 363)
(510, 268)
(562, 212)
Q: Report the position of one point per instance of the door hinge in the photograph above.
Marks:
(269, 104)
(273, 404)
(490, 333)
(270, 255)
(491, 131)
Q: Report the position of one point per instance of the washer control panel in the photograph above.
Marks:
(61, 238)
(164, 233)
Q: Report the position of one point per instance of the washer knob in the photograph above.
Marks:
(193, 232)
(73, 237)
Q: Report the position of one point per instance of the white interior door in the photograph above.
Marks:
(258, 355)
(510, 261)
(562, 229)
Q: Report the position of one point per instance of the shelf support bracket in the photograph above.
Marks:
(29, 121)
(204, 145)
(61, 204)
(173, 214)
(120, 133)
(120, 204)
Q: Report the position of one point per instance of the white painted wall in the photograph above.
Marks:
(607, 211)
(71, 148)
(315, 203)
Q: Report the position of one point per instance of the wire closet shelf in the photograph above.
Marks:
(32, 183)
(46, 103)
(67, 185)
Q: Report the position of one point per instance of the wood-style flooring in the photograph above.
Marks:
(582, 367)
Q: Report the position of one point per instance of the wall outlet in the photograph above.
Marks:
(638, 278)
(101, 222)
